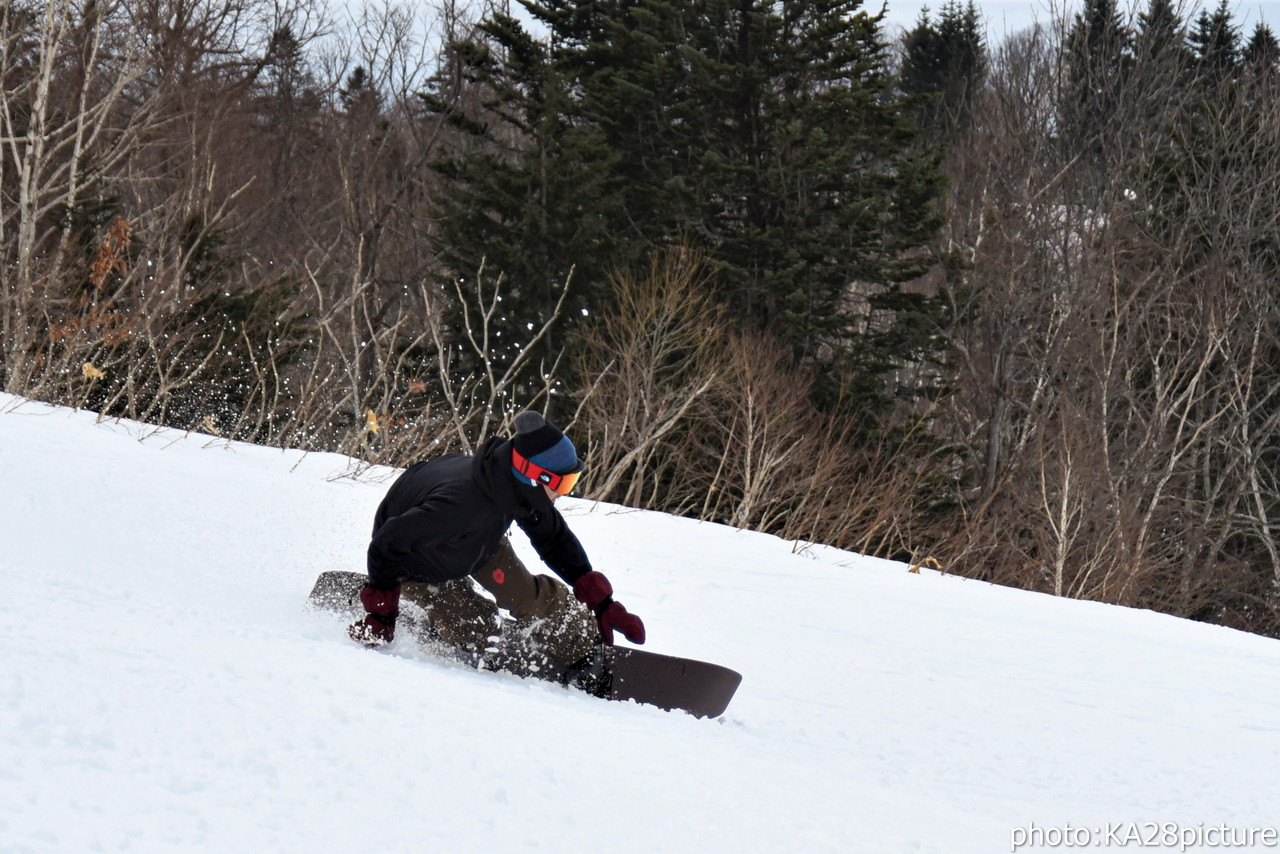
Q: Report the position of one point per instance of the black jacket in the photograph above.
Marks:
(442, 519)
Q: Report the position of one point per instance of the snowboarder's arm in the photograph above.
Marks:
(395, 552)
(556, 544)
(560, 550)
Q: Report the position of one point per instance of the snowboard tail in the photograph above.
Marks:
(338, 593)
(669, 682)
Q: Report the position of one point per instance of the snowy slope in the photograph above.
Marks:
(164, 689)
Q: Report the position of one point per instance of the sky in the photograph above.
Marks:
(1006, 17)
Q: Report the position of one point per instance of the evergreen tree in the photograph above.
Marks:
(287, 101)
(1099, 53)
(286, 107)
(923, 59)
(945, 64)
(1161, 34)
(358, 97)
(527, 197)
(1215, 43)
(768, 134)
(1262, 53)
(772, 132)
(1260, 70)
(1162, 69)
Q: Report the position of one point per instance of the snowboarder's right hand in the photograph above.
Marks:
(378, 627)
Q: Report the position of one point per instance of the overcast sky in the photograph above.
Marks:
(1005, 17)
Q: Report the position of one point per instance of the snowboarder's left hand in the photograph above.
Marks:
(373, 631)
(595, 591)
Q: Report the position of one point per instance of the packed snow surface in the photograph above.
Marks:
(166, 690)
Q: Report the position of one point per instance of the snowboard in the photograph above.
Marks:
(669, 682)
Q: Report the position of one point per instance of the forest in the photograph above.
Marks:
(1007, 310)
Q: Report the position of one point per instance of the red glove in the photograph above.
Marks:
(596, 592)
(378, 628)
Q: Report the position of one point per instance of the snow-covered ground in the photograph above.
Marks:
(164, 689)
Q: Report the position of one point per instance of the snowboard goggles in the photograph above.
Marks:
(560, 484)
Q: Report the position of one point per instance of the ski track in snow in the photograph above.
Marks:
(165, 689)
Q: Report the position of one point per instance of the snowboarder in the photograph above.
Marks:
(443, 525)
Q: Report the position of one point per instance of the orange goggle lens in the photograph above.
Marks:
(561, 484)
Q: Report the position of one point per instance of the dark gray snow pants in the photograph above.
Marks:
(549, 627)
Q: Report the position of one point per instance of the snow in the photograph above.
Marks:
(165, 690)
